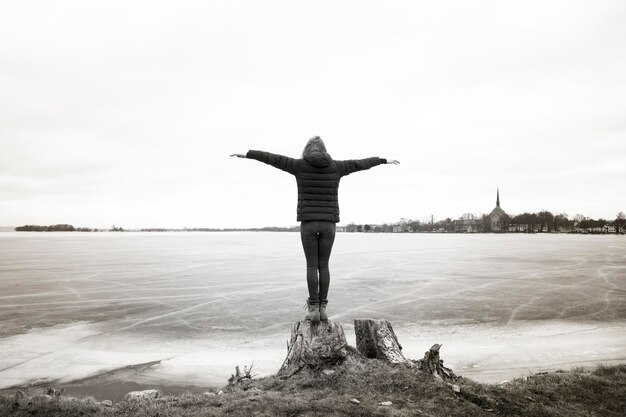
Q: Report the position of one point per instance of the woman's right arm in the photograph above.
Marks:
(277, 161)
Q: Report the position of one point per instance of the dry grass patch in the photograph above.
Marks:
(579, 392)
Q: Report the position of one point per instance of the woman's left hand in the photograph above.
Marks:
(393, 161)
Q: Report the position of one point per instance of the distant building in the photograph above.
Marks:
(465, 226)
(498, 219)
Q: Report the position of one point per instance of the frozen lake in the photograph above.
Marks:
(74, 305)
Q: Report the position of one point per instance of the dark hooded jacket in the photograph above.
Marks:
(317, 176)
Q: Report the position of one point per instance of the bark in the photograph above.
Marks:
(376, 339)
(313, 346)
(239, 376)
(433, 364)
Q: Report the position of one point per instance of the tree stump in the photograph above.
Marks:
(313, 346)
(434, 365)
(376, 339)
(238, 376)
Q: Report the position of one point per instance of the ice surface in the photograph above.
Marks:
(74, 305)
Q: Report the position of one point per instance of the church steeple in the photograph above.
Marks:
(498, 197)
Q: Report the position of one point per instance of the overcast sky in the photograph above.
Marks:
(125, 112)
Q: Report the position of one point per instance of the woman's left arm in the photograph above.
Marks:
(354, 165)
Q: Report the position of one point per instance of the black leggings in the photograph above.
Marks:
(317, 240)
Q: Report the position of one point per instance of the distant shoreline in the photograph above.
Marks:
(297, 229)
(500, 222)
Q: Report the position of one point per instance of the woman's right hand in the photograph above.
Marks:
(239, 155)
(393, 161)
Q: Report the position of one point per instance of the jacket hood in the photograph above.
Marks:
(318, 158)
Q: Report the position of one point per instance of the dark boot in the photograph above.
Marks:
(323, 315)
(314, 310)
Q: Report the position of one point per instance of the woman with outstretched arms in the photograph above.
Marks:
(317, 175)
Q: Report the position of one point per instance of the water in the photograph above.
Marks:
(75, 305)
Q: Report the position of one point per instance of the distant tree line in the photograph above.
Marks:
(58, 228)
(543, 221)
(546, 221)
(249, 229)
(52, 228)
(70, 228)
(404, 225)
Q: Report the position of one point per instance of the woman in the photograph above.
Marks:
(317, 175)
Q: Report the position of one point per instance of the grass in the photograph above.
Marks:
(580, 392)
